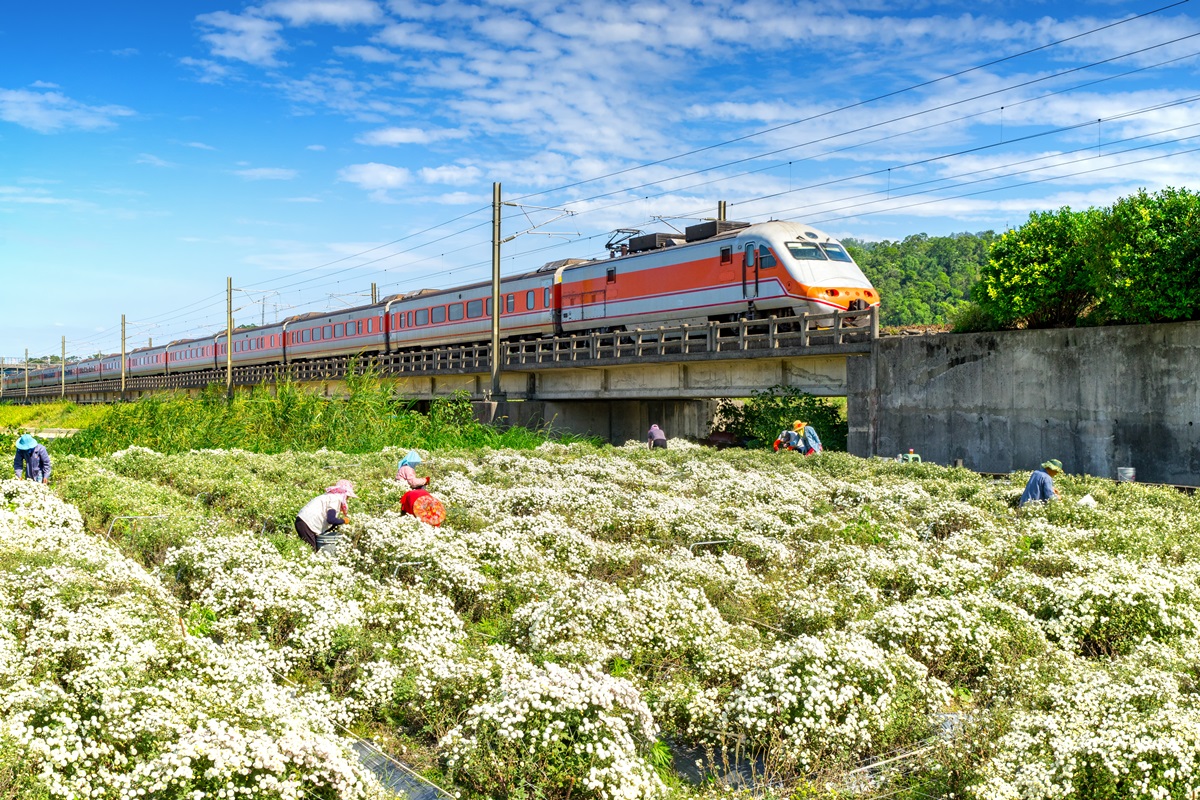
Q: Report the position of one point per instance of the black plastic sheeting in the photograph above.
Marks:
(394, 777)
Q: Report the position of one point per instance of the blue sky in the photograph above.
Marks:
(308, 148)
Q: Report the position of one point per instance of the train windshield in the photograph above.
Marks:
(806, 251)
(836, 252)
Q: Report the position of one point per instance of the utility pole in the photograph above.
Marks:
(374, 294)
(495, 290)
(122, 356)
(63, 368)
(26, 373)
(229, 338)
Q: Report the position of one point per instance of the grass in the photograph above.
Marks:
(49, 415)
(287, 417)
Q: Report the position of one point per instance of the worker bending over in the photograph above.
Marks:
(802, 438)
(32, 460)
(406, 474)
(1041, 483)
(319, 520)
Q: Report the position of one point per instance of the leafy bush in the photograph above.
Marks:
(760, 419)
(1040, 275)
(1150, 265)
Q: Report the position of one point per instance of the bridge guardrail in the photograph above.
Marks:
(752, 337)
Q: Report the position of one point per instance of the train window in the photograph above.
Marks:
(750, 251)
(359, 327)
(836, 252)
(509, 304)
(262, 342)
(475, 309)
(806, 251)
(327, 333)
(437, 314)
(370, 324)
(766, 260)
(304, 334)
(726, 255)
(529, 302)
(546, 297)
(456, 312)
(410, 321)
(610, 274)
(488, 307)
(423, 316)
(339, 331)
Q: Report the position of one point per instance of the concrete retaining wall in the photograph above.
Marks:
(615, 421)
(1096, 398)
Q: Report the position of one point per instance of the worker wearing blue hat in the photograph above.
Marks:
(32, 459)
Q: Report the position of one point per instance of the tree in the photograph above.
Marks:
(1040, 275)
(1149, 264)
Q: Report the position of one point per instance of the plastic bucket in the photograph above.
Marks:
(1126, 474)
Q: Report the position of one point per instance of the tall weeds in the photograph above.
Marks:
(287, 417)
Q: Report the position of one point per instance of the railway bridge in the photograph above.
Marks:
(611, 385)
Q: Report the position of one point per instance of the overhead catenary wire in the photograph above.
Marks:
(358, 269)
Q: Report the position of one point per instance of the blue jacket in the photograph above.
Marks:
(36, 461)
(1040, 487)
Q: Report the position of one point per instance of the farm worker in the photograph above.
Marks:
(802, 437)
(1041, 482)
(656, 438)
(424, 506)
(405, 472)
(318, 522)
(33, 459)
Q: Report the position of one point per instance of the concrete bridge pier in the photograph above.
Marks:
(615, 421)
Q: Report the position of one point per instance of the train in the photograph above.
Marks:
(719, 270)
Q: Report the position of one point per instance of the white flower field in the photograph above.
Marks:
(601, 623)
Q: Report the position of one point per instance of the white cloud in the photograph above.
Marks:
(24, 196)
(242, 38)
(329, 12)
(317, 147)
(200, 145)
(48, 112)
(301, 200)
(365, 52)
(126, 52)
(392, 137)
(375, 176)
(152, 160)
(407, 36)
(44, 85)
(450, 175)
(207, 71)
(266, 174)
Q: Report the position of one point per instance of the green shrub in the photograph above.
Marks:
(1150, 270)
(760, 419)
(1040, 275)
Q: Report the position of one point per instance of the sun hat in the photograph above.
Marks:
(1053, 464)
(797, 425)
(411, 458)
(342, 487)
(26, 442)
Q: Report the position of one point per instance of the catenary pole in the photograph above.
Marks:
(122, 356)
(62, 367)
(495, 290)
(26, 373)
(229, 337)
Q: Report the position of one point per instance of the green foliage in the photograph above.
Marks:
(760, 419)
(1039, 275)
(922, 280)
(1136, 261)
(286, 417)
(1150, 265)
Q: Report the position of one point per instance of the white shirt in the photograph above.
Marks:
(316, 510)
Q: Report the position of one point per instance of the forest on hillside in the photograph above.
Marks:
(923, 280)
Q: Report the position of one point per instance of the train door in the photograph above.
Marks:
(750, 268)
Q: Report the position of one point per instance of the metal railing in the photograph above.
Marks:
(833, 331)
